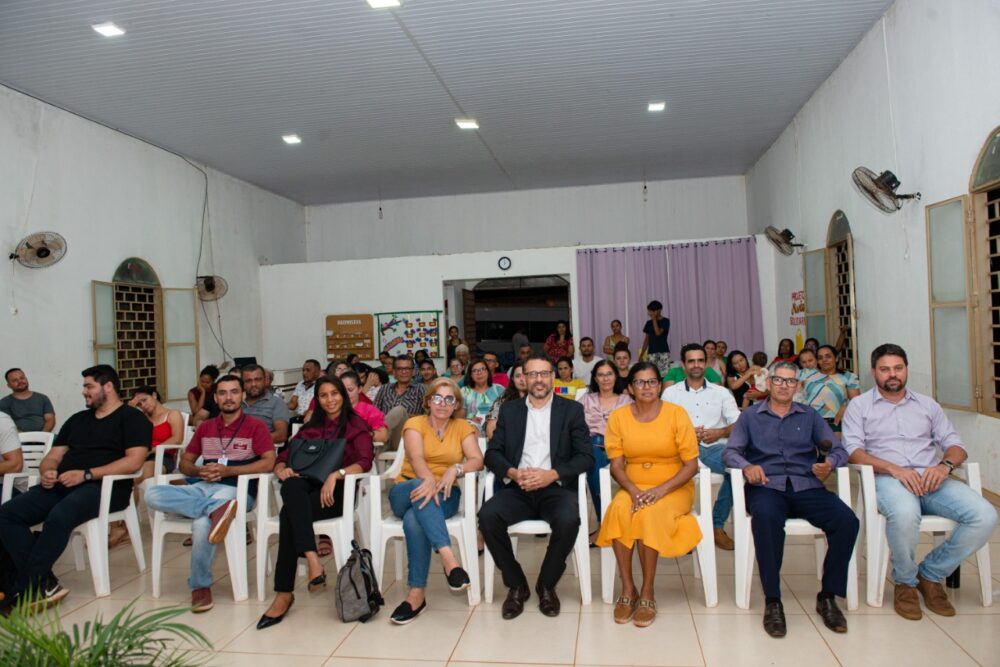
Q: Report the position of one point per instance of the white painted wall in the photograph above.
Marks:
(113, 197)
(588, 215)
(293, 329)
(917, 96)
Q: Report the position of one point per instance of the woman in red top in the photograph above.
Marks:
(786, 352)
(168, 429)
(307, 500)
(560, 343)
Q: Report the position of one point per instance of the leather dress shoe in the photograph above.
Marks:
(548, 601)
(774, 619)
(832, 617)
(514, 604)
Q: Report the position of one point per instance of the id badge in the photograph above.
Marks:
(223, 460)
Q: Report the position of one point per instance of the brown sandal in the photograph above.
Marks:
(624, 609)
(645, 613)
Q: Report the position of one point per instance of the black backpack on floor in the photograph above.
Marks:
(358, 595)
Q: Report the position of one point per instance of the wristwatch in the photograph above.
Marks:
(460, 469)
(87, 475)
(951, 466)
(343, 473)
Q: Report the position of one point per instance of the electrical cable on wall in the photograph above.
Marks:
(219, 338)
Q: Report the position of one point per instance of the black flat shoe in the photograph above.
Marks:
(774, 619)
(832, 617)
(267, 621)
(458, 580)
(404, 613)
(318, 583)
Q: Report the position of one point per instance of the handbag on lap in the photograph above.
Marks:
(316, 459)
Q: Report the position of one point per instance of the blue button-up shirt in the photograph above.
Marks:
(907, 433)
(785, 447)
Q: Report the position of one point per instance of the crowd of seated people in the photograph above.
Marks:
(650, 423)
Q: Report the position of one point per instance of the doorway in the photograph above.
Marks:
(489, 312)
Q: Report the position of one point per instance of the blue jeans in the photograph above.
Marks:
(195, 501)
(424, 528)
(711, 456)
(594, 474)
(953, 500)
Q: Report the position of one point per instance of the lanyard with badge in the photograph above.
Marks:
(224, 460)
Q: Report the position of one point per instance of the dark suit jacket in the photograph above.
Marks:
(569, 440)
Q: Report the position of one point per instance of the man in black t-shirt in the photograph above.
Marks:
(108, 438)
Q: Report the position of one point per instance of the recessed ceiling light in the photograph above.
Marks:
(383, 4)
(291, 138)
(108, 29)
(467, 123)
(657, 106)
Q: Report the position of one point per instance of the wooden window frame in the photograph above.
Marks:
(969, 303)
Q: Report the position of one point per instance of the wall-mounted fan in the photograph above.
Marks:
(881, 190)
(211, 288)
(782, 240)
(39, 250)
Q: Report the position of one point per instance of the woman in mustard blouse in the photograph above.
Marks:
(440, 447)
(654, 456)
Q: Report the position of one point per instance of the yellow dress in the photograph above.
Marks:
(654, 452)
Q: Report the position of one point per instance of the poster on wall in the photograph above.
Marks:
(347, 334)
(798, 314)
(405, 332)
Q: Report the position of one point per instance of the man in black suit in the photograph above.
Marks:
(539, 448)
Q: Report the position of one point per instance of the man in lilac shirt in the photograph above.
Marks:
(899, 432)
(775, 443)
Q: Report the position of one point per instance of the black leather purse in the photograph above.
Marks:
(316, 459)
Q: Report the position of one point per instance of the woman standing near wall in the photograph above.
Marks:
(559, 343)
(616, 337)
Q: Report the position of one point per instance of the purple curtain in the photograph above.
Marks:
(600, 279)
(646, 277)
(714, 292)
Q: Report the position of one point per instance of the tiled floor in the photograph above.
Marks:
(452, 633)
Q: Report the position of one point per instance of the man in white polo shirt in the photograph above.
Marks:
(713, 412)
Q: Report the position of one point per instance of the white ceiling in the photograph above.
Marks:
(559, 87)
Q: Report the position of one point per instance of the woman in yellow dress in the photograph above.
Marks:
(654, 456)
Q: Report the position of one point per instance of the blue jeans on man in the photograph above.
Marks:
(195, 501)
(975, 516)
(424, 528)
(711, 456)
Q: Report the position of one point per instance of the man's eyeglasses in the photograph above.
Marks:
(439, 399)
(643, 384)
(534, 375)
(779, 381)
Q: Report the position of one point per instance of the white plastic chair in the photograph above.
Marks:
(462, 527)
(704, 563)
(580, 393)
(235, 542)
(340, 530)
(95, 534)
(581, 550)
(35, 445)
(743, 538)
(877, 546)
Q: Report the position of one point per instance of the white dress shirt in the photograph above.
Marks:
(537, 452)
(582, 369)
(712, 406)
